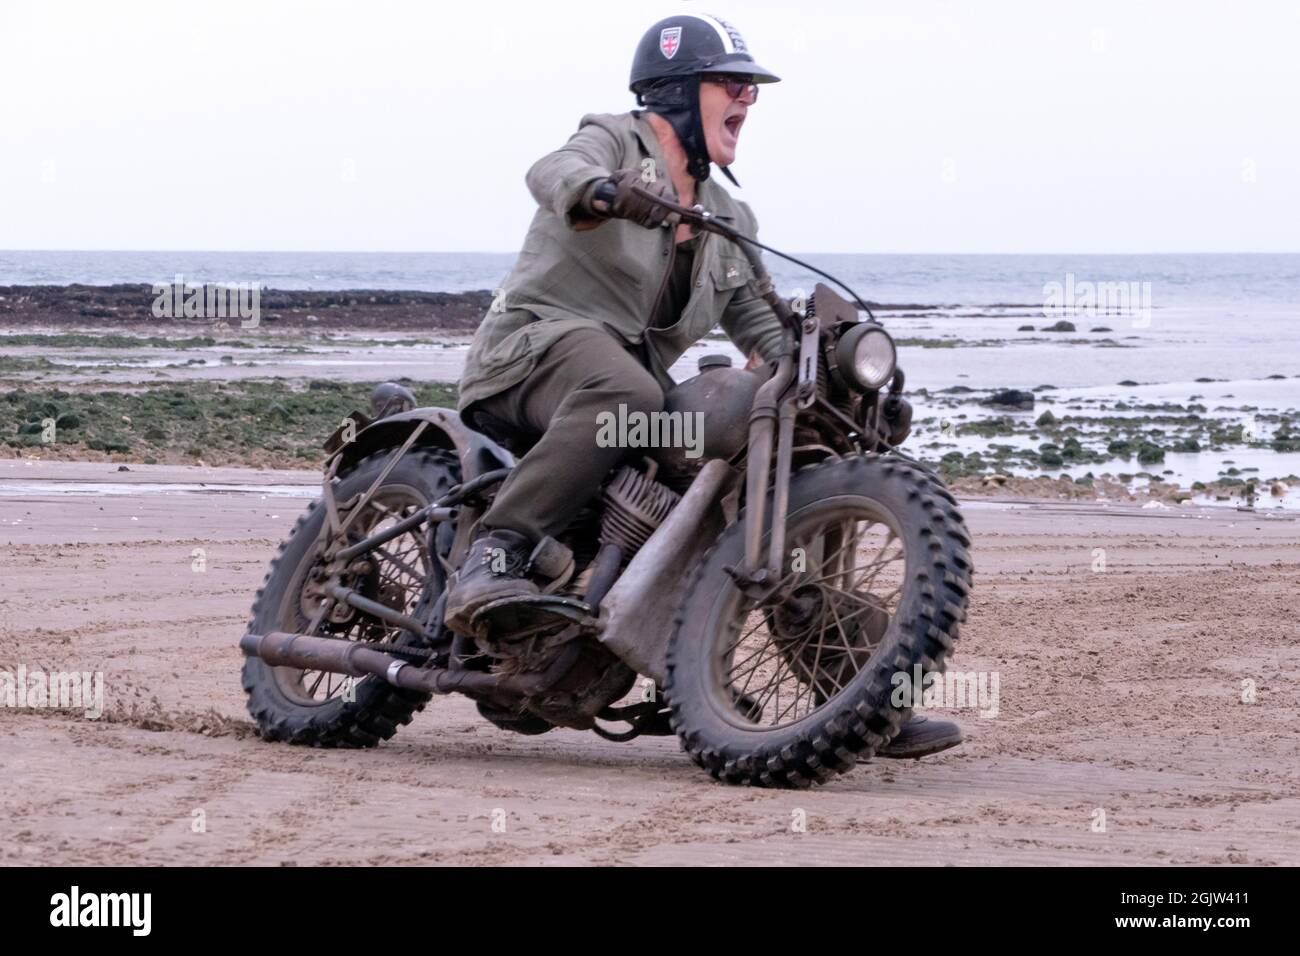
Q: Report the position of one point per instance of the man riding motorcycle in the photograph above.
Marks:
(605, 297)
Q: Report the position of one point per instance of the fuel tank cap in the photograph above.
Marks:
(707, 362)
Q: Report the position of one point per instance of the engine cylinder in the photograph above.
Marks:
(635, 504)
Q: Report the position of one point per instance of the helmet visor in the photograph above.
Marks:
(741, 65)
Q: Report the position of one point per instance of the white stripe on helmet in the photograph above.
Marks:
(732, 41)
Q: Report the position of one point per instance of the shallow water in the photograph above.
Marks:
(939, 418)
(1227, 317)
(26, 489)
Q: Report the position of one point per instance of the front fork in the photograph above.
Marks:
(775, 407)
(768, 411)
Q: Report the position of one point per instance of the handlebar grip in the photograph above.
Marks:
(606, 192)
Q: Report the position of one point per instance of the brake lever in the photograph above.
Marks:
(696, 215)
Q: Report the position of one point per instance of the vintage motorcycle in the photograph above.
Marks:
(769, 592)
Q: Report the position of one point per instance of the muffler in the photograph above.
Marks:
(356, 659)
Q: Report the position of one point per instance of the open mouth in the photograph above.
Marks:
(733, 124)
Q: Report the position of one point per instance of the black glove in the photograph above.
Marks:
(642, 211)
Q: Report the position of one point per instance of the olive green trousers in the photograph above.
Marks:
(558, 406)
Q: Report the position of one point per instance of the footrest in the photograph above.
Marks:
(520, 617)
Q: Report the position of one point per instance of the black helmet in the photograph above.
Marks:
(666, 71)
(693, 43)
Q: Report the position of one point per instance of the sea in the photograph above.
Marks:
(1221, 316)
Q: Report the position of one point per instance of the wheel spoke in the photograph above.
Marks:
(839, 626)
(835, 574)
(398, 581)
(740, 640)
(770, 642)
(812, 682)
(798, 656)
(392, 558)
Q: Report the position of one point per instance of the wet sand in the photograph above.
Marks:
(1120, 691)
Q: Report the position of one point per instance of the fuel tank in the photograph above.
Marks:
(714, 407)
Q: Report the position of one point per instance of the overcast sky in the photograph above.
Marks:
(925, 126)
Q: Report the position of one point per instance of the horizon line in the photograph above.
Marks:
(490, 252)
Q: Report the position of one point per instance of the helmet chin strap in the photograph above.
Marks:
(677, 100)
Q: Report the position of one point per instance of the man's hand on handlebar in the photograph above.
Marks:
(621, 199)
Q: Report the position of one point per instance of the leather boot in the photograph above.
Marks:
(493, 569)
(920, 737)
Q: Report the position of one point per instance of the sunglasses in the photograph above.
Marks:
(738, 87)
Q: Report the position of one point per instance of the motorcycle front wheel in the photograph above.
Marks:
(793, 691)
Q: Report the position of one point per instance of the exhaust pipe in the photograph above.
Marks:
(337, 656)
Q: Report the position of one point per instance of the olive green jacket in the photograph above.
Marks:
(612, 275)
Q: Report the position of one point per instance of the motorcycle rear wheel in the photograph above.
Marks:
(313, 707)
(790, 696)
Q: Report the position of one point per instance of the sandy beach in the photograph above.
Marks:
(1121, 701)
(1140, 629)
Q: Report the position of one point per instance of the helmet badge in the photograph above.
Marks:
(670, 41)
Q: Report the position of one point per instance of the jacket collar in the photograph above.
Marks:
(708, 193)
(714, 198)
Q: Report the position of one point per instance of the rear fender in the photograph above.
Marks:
(477, 453)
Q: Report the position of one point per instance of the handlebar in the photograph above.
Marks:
(695, 215)
(701, 218)
(605, 192)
